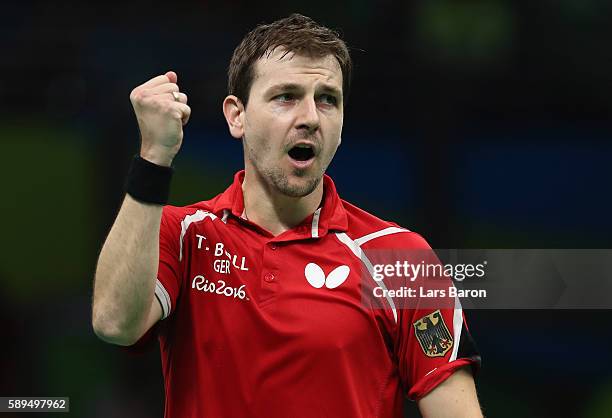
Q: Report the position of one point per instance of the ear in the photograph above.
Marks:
(233, 110)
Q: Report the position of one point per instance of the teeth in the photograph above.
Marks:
(303, 146)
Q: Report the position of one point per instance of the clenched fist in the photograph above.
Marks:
(161, 111)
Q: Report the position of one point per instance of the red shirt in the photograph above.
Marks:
(274, 327)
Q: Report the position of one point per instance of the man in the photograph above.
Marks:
(256, 293)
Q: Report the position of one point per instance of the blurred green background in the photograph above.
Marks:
(479, 124)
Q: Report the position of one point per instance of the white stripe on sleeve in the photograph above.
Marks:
(164, 299)
(457, 327)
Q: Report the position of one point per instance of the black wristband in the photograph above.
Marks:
(148, 182)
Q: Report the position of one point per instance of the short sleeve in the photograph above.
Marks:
(433, 339)
(169, 273)
(433, 344)
(430, 336)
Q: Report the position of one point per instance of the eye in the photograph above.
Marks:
(328, 99)
(285, 97)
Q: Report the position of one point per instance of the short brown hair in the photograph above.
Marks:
(296, 33)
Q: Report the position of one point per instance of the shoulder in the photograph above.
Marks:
(370, 231)
(177, 215)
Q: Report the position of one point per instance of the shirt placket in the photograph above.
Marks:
(271, 275)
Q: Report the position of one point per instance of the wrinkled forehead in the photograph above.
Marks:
(281, 66)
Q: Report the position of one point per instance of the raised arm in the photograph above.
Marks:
(124, 304)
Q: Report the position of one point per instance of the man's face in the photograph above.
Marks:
(293, 120)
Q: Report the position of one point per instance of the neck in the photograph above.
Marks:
(274, 211)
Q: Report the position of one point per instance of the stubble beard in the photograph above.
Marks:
(280, 181)
(278, 178)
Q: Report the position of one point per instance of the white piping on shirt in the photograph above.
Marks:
(378, 234)
(356, 249)
(226, 213)
(198, 216)
(315, 223)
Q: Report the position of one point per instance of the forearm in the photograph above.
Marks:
(124, 306)
(126, 272)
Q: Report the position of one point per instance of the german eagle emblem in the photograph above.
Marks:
(433, 335)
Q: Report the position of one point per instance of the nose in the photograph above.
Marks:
(308, 116)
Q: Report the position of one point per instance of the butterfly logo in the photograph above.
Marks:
(316, 277)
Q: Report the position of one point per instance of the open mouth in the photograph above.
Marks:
(302, 152)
